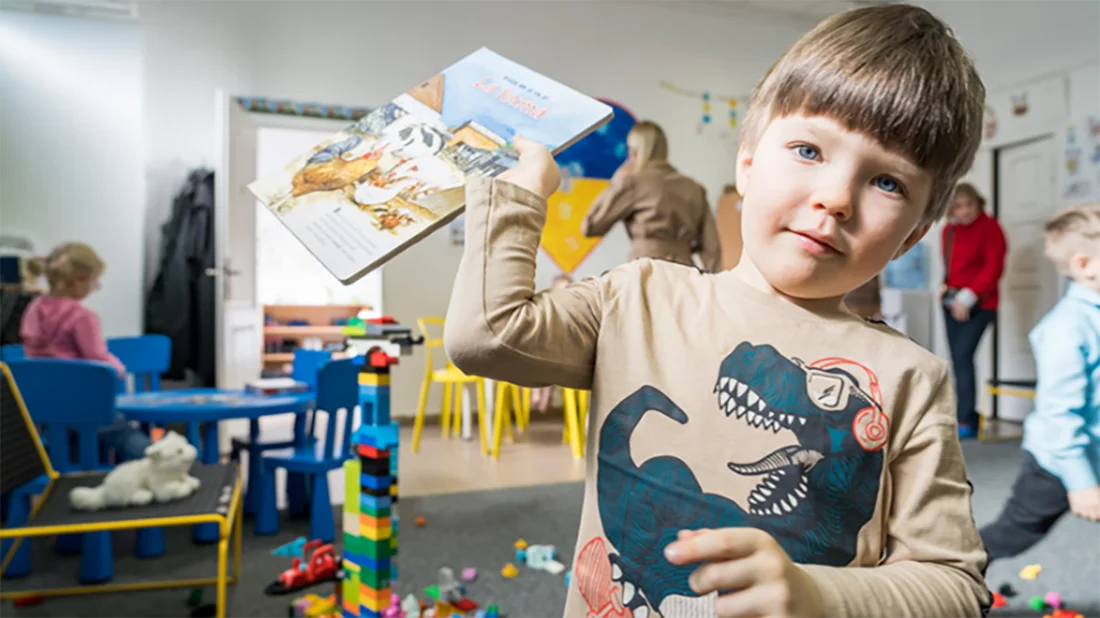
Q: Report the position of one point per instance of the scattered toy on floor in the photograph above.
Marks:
(509, 571)
(1031, 571)
(521, 544)
(411, 606)
(1037, 603)
(568, 577)
(492, 612)
(1053, 599)
(1064, 613)
(999, 600)
(469, 574)
(28, 601)
(553, 567)
(292, 549)
(420, 521)
(322, 565)
(1007, 591)
(521, 556)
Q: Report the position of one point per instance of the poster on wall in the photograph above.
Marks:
(586, 169)
(1080, 166)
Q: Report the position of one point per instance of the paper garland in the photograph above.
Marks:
(732, 103)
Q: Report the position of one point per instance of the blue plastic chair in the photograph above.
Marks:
(337, 396)
(63, 395)
(12, 352)
(146, 358)
(307, 363)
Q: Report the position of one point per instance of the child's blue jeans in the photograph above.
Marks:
(127, 442)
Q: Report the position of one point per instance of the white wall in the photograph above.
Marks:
(72, 152)
(365, 53)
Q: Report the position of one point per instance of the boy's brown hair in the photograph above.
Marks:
(895, 73)
(1073, 230)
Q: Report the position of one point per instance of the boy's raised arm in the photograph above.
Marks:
(934, 560)
(497, 326)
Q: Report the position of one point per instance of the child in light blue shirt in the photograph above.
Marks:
(1061, 468)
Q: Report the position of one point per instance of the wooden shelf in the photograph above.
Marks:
(303, 331)
(288, 357)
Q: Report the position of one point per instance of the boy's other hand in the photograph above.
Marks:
(1085, 503)
(536, 171)
(750, 571)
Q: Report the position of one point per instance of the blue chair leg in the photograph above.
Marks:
(206, 533)
(97, 559)
(321, 520)
(267, 509)
(297, 494)
(149, 543)
(19, 513)
(255, 480)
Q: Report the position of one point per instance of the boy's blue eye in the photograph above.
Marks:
(807, 152)
(888, 184)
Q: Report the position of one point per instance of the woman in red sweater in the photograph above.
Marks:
(974, 250)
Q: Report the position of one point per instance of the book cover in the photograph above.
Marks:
(380, 185)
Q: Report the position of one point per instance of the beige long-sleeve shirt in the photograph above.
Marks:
(666, 215)
(717, 405)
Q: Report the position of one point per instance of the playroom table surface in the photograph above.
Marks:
(206, 405)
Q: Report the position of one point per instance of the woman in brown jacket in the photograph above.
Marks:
(666, 213)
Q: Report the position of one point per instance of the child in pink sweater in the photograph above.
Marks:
(58, 325)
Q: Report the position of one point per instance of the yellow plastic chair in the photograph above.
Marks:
(453, 380)
(575, 409)
(512, 403)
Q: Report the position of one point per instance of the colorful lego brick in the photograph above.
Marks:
(370, 378)
(376, 551)
(380, 534)
(377, 599)
(376, 466)
(367, 501)
(352, 469)
(348, 604)
(380, 437)
(351, 567)
(366, 450)
(354, 543)
(375, 579)
(393, 492)
(374, 523)
(351, 523)
(370, 481)
(376, 512)
(378, 564)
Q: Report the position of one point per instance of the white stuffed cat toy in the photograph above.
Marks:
(162, 476)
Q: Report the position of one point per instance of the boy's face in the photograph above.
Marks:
(825, 208)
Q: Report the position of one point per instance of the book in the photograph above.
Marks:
(383, 183)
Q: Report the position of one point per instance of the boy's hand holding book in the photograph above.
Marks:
(536, 171)
(750, 571)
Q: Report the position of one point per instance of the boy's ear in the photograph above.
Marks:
(744, 164)
(914, 237)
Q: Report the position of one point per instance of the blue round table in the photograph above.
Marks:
(208, 406)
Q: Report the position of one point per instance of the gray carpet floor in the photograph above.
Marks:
(478, 529)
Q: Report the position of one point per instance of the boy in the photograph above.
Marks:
(1062, 436)
(750, 437)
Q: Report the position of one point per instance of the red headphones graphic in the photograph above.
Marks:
(870, 426)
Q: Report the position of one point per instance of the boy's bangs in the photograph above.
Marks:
(904, 106)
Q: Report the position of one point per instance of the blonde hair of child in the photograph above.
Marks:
(1073, 231)
(895, 73)
(648, 140)
(967, 190)
(64, 262)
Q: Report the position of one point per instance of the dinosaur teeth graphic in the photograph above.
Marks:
(735, 396)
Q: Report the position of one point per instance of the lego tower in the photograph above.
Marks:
(370, 519)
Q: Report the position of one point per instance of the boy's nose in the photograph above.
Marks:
(836, 200)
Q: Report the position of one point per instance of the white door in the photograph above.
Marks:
(1026, 188)
(239, 315)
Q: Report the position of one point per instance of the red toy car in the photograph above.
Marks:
(323, 565)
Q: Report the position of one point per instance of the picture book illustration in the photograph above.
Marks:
(386, 181)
